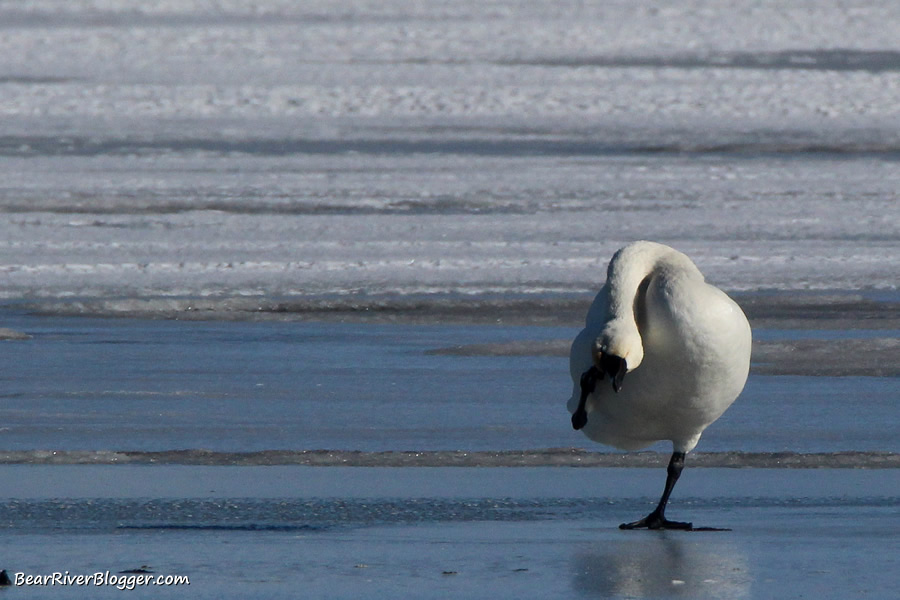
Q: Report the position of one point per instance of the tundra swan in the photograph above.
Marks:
(677, 352)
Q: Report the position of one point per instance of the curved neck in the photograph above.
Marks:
(626, 280)
(631, 266)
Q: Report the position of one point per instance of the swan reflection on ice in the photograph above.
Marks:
(663, 567)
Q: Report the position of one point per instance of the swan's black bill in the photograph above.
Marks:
(611, 365)
(615, 367)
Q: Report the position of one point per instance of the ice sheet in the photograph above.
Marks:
(379, 149)
(189, 227)
(269, 532)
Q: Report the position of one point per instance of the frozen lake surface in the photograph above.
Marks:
(371, 227)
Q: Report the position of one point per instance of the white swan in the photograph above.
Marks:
(676, 349)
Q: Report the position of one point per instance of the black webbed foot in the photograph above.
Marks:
(588, 382)
(657, 520)
(579, 419)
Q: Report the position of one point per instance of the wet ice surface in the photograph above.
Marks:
(455, 532)
(790, 553)
(124, 384)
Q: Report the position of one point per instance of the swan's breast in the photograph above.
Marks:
(698, 339)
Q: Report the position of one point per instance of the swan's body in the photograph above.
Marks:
(677, 349)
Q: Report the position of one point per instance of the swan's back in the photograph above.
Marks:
(688, 343)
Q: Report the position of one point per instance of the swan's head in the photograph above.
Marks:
(617, 351)
(622, 339)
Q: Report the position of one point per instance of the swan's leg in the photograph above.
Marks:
(657, 519)
(588, 382)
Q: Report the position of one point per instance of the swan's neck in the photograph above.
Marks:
(626, 282)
